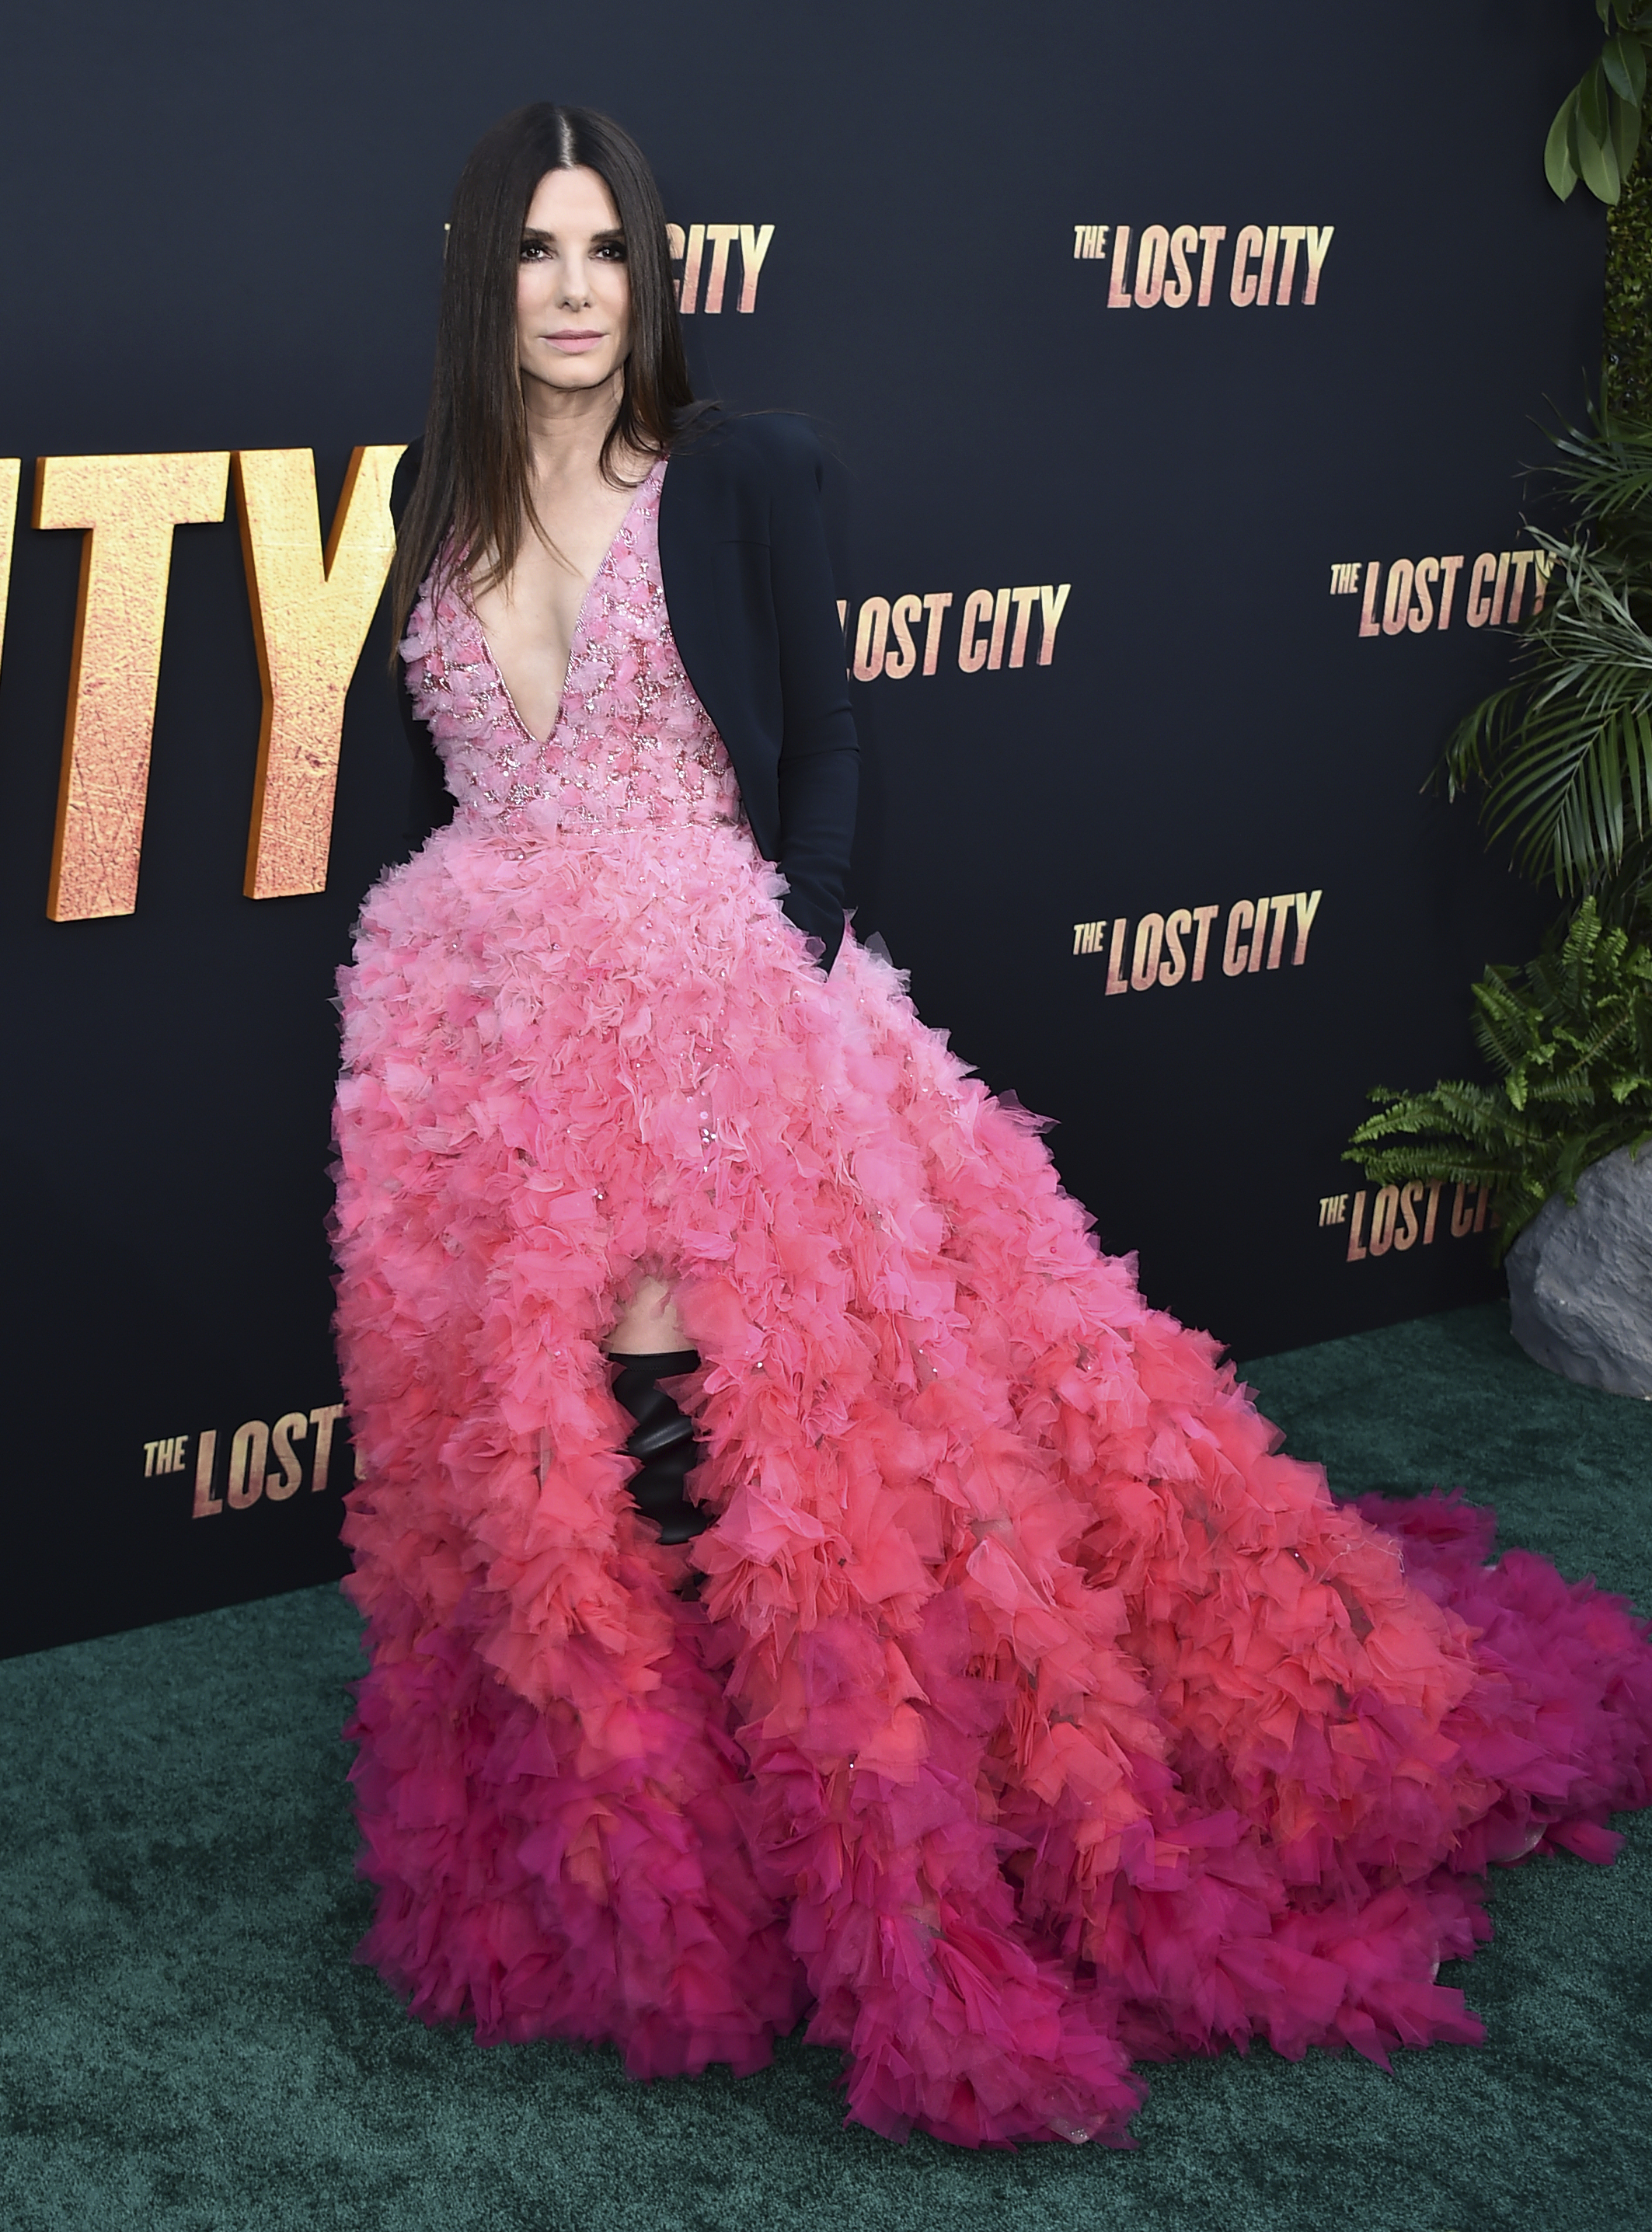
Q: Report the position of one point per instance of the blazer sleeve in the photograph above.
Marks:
(819, 761)
(430, 802)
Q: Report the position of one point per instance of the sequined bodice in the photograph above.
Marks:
(632, 745)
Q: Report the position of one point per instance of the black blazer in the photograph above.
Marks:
(753, 609)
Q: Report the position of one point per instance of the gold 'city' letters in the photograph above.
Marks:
(128, 508)
(10, 473)
(311, 614)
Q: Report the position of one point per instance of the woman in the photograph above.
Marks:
(990, 1690)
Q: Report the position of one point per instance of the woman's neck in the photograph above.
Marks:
(566, 428)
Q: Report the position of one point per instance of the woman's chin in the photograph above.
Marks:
(574, 374)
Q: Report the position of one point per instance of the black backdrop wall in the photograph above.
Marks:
(1193, 476)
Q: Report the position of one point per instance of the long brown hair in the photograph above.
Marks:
(474, 478)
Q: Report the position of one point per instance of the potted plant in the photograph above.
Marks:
(1562, 757)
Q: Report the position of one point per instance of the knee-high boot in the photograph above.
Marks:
(662, 1440)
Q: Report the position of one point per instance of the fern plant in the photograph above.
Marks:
(1570, 1037)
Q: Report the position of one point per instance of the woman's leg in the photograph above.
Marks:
(649, 1324)
(651, 1352)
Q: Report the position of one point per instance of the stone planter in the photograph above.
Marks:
(1580, 1278)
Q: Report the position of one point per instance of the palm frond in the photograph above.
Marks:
(1607, 472)
(1564, 749)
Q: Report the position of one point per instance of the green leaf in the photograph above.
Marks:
(1592, 142)
(1623, 62)
(1592, 102)
(1570, 1038)
(1561, 755)
(1558, 165)
(1636, 59)
(1626, 133)
(1596, 163)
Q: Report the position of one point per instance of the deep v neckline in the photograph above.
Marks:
(541, 743)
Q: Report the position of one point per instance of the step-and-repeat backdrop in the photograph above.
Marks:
(1177, 369)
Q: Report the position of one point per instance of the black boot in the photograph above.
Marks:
(662, 1441)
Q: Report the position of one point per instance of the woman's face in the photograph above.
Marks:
(573, 289)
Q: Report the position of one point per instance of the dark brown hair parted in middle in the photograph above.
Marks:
(474, 475)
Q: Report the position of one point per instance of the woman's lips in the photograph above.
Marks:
(574, 344)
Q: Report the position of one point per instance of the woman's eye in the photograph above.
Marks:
(613, 249)
(532, 250)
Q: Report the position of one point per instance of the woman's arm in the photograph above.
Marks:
(820, 764)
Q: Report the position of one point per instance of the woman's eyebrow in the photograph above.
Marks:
(608, 232)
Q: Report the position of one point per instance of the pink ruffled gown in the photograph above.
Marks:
(1036, 1716)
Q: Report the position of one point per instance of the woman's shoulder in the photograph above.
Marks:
(768, 447)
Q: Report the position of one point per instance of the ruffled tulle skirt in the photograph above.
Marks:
(1036, 1716)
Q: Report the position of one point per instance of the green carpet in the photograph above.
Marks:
(187, 2044)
